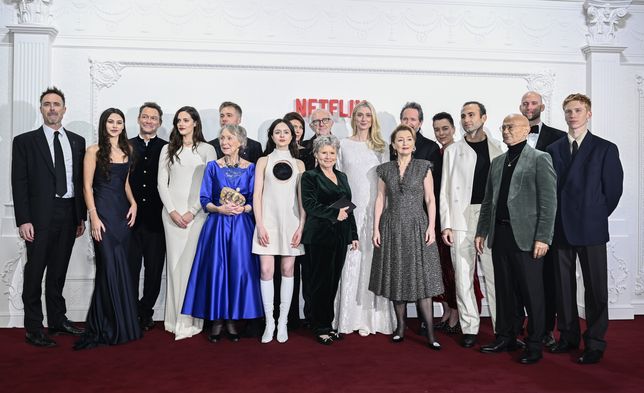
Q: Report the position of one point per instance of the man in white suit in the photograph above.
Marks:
(465, 168)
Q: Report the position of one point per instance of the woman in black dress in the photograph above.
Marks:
(112, 315)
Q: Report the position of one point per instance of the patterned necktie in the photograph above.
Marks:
(59, 165)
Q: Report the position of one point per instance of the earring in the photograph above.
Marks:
(414, 149)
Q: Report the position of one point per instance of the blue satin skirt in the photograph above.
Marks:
(224, 281)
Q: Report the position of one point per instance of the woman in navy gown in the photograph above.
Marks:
(224, 281)
(112, 316)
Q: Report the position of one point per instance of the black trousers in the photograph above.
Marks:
(51, 249)
(147, 248)
(593, 262)
(550, 290)
(517, 279)
(325, 262)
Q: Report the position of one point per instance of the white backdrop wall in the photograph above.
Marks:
(264, 55)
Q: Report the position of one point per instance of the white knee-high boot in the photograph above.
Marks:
(286, 294)
(268, 294)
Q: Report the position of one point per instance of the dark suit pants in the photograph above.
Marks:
(593, 262)
(147, 247)
(518, 278)
(325, 263)
(550, 290)
(51, 249)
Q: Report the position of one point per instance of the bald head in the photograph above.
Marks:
(515, 129)
(532, 106)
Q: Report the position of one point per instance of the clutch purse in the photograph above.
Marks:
(229, 195)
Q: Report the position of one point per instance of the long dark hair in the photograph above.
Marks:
(297, 117)
(270, 144)
(175, 144)
(104, 145)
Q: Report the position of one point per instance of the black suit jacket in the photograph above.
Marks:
(547, 136)
(251, 152)
(588, 189)
(143, 181)
(33, 180)
(318, 194)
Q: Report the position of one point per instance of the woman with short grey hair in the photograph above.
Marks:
(329, 228)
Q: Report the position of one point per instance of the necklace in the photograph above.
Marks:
(231, 164)
(510, 162)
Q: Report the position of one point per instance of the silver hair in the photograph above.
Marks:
(238, 131)
(325, 140)
(320, 110)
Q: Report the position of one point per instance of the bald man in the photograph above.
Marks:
(540, 137)
(517, 217)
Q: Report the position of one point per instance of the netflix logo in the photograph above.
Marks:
(336, 106)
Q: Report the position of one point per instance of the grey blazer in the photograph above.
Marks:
(532, 199)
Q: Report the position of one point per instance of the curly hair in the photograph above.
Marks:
(105, 147)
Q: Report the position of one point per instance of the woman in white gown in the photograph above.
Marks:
(181, 170)
(357, 308)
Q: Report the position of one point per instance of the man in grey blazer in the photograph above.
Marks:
(517, 218)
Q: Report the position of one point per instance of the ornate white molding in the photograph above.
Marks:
(10, 271)
(544, 84)
(617, 275)
(639, 277)
(602, 18)
(34, 12)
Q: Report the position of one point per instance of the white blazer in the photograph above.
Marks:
(459, 161)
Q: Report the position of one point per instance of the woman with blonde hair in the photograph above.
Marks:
(357, 308)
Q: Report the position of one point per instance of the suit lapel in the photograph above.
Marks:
(41, 142)
(75, 154)
(517, 175)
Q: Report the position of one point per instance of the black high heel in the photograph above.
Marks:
(328, 340)
(397, 339)
(435, 346)
(335, 336)
(213, 338)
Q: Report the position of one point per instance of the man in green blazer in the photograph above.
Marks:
(517, 218)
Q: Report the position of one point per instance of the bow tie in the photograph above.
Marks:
(534, 129)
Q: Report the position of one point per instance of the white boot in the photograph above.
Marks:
(286, 294)
(268, 294)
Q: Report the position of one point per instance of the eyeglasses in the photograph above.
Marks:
(317, 123)
(509, 127)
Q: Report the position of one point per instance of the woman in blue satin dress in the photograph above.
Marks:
(224, 281)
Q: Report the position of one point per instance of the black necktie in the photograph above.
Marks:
(575, 149)
(534, 129)
(59, 165)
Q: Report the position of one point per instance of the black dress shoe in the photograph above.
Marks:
(530, 357)
(549, 340)
(499, 345)
(146, 323)
(234, 337)
(468, 340)
(563, 346)
(520, 344)
(39, 339)
(213, 338)
(590, 356)
(66, 328)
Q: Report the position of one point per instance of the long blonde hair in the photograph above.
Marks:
(374, 140)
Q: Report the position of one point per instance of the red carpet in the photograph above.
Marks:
(159, 364)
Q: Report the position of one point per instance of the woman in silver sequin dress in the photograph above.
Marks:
(406, 265)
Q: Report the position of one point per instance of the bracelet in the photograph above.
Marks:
(91, 210)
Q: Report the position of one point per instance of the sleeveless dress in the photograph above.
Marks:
(357, 308)
(224, 281)
(404, 267)
(279, 205)
(112, 317)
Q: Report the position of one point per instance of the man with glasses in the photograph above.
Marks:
(465, 170)
(148, 239)
(517, 218)
(231, 113)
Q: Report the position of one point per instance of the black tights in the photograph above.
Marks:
(425, 308)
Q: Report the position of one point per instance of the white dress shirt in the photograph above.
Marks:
(67, 153)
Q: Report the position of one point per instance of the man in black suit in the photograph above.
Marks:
(46, 180)
(231, 113)
(148, 239)
(589, 185)
(411, 115)
(540, 137)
